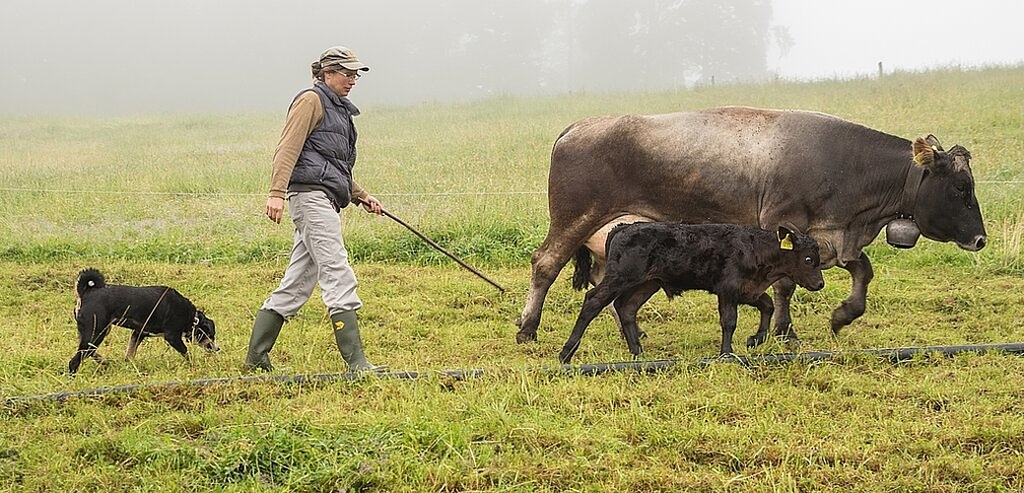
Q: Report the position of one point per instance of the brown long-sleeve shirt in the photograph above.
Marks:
(304, 115)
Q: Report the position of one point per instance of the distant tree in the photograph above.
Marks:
(665, 43)
(603, 45)
(499, 45)
(458, 49)
(728, 39)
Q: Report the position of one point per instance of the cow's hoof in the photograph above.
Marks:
(523, 337)
(754, 341)
(791, 342)
(845, 314)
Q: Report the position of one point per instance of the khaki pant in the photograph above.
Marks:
(318, 256)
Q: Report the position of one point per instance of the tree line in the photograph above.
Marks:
(538, 46)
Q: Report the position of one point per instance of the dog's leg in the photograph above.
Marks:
(97, 340)
(75, 362)
(89, 339)
(133, 344)
(177, 344)
(84, 336)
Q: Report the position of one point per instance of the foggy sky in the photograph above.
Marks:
(848, 38)
(145, 56)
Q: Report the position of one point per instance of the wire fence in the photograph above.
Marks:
(263, 194)
(247, 194)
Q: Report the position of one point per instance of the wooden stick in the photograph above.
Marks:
(442, 250)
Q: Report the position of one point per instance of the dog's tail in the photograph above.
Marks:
(89, 279)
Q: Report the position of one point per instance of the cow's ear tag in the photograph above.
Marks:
(786, 243)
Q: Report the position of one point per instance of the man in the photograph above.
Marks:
(312, 169)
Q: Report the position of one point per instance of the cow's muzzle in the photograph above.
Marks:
(979, 242)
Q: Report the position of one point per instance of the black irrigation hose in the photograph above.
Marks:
(893, 355)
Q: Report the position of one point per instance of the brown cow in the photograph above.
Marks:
(736, 263)
(837, 181)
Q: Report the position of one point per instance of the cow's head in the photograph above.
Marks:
(803, 260)
(946, 208)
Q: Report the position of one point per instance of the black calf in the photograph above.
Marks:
(736, 263)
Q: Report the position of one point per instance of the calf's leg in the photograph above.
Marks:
(594, 301)
(626, 305)
(764, 305)
(727, 319)
(596, 276)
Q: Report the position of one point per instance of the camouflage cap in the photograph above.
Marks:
(339, 55)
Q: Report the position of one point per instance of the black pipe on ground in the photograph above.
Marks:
(893, 355)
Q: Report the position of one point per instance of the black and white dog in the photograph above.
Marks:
(146, 310)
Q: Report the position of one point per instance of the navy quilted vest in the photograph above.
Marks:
(329, 153)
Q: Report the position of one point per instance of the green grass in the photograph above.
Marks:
(178, 199)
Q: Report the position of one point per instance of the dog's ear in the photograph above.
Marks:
(208, 322)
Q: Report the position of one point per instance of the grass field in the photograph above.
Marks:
(178, 199)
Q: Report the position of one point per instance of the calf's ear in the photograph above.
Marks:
(785, 238)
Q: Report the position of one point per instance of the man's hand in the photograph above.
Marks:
(371, 204)
(275, 209)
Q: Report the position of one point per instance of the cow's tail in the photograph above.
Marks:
(582, 262)
(89, 279)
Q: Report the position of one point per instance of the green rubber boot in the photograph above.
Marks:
(264, 333)
(346, 334)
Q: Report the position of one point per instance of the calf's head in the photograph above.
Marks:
(801, 260)
(946, 208)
